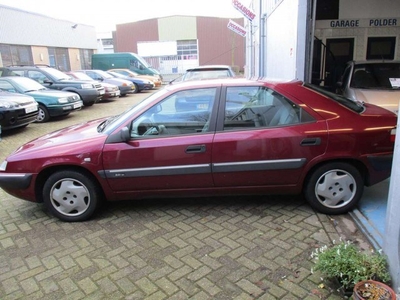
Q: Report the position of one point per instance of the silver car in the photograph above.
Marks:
(376, 82)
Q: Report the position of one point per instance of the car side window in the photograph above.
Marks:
(185, 112)
(37, 76)
(256, 107)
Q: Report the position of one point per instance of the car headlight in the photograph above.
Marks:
(3, 166)
(87, 85)
(8, 104)
(63, 100)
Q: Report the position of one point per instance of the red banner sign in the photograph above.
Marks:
(236, 28)
(244, 10)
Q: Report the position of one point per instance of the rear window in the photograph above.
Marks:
(376, 76)
(353, 105)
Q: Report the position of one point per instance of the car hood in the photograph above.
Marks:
(73, 80)
(388, 99)
(15, 97)
(50, 93)
(78, 139)
(117, 81)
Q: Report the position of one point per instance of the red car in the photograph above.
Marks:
(227, 137)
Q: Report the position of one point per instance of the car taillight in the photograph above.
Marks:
(393, 135)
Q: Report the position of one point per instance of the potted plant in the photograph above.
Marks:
(346, 263)
(373, 290)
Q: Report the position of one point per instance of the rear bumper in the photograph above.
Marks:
(381, 168)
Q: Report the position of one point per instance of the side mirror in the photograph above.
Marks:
(125, 135)
(118, 137)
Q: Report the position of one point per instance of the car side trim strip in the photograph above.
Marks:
(206, 168)
(278, 164)
(158, 171)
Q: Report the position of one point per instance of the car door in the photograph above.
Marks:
(264, 139)
(170, 146)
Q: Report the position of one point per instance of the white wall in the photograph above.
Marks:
(285, 41)
(281, 42)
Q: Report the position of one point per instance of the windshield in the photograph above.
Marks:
(142, 61)
(376, 76)
(26, 84)
(82, 76)
(103, 74)
(115, 74)
(353, 105)
(57, 74)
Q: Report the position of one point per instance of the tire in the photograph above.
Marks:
(71, 196)
(43, 114)
(334, 188)
(136, 90)
(89, 103)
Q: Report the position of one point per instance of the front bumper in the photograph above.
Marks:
(61, 110)
(12, 181)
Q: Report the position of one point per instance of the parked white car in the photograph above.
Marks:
(376, 82)
(206, 72)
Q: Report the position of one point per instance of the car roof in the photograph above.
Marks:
(232, 81)
(209, 67)
(377, 61)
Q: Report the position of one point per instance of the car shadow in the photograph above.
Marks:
(258, 205)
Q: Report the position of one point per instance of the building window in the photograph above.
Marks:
(187, 49)
(59, 59)
(107, 42)
(15, 55)
(327, 10)
(381, 47)
(86, 58)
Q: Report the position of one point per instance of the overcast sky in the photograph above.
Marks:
(104, 15)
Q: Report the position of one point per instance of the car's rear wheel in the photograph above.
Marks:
(43, 114)
(71, 195)
(334, 188)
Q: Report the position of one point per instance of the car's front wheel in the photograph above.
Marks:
(43, 114)
(71, 195)
(334, 188)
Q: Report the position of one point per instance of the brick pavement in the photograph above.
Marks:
(226, 248)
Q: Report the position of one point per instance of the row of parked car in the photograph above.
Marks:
(37, 93)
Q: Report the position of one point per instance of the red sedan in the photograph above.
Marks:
(231, 136)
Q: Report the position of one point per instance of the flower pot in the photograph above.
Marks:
(373, 290)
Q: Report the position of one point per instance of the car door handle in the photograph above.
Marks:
(196, 149)
(311, 142)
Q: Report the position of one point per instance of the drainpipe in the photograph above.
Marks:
(261, 53)
(310, 38)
